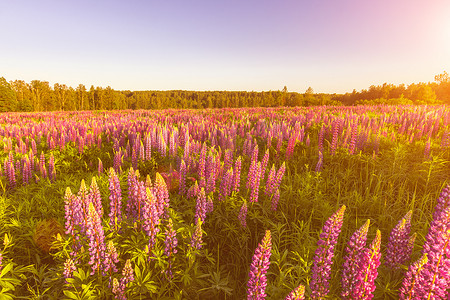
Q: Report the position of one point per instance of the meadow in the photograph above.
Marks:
(326, 202)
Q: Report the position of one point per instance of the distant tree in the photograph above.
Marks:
(81, 97)
(41, 95)
(23, 95)
(61, 92)
(8, 99)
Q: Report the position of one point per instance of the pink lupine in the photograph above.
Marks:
(51, 168)
(171, 243)
(323, 256)
(151, 217)
(95, 197)
(270, 181)
(182, 180)
(399, 248)
(254, 188)
(297, 294)
(434, 281)
(200, 207)
(69, 268)
(264, 163)
(237, 175)
(368, 269)
(115, 198)
(96, 239)
(351, 266)
(408, 289)
(100, 166)
(111, 259)
(196, 239)
(257, 282)
(275, 199)
(243, 215)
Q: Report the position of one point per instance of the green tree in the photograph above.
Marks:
(8, 99)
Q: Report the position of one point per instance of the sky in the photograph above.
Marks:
(333, 46)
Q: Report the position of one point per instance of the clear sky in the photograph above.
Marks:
(330, 45)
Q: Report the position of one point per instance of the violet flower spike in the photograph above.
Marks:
(398, 249)
(297, 294)
(243, 215)
(407, 290)
(351, 265)
(323, 256)
(257, 281)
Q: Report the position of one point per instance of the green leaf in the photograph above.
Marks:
(6, 269)
(70, 295)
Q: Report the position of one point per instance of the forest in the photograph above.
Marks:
(37, 95)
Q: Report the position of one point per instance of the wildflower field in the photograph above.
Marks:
(255, 203)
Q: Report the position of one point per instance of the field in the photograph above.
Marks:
(226, 203)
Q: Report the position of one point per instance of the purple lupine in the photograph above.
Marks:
(26, 173)
(434, 282)
(210, 174)
(95, 197)
(115, 200)
(352, 145)
(368, 270)
(237, 175)
(243, 215)
(201, 166)
(321, 138)
(407, 290)
(193, 191)
(117, 160)
(279, 177)
(399, 248)
(257, 281)
(148, 147)
(69, 268)
(111, 259)
(290, 146)
(182, 180)
(196, 239)
(162, 195)
(275, 199)
(1, 261)
(141, 151)
(297, 294)
(96, 239)
(253, 166)
(51, 168)
(209, 205)
(323, 256)
(151, 217)
(70, 213)
(254, 188)
(225, 185)
(127, 274)
(118, 290)
(100, 166)
(134, 155)
(171, 243)
(350, 267)
(319, 162)
(11, 174)
(200, 207)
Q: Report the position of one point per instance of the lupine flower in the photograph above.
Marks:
(368, 269)
(127, 272)
(255, 184)
(95, 197)
(209, 205)
(264, 163)
(111, 259)
(193, 191)
(210, 174)
(100, 166)
(118, 290)
(70, 213)
(117, 161)
(1, 261)
(96, 239)
(201, 166)
(275, 199)
(270, 181)
(200, 207)
(352, 145)
(115, 198)
(69, 268)
(319, 163)
(237, 175)
(182, 182)
(51, 168)
(350, 268)
(291, 145)
(148, 147)
(257, 281)
(399, 249)
(407, 290)
(151, 217)
(297, 294)
(434, 280)
(243, 215)
(171, 243)
(321, 137)
(162, 194)
(323, 257)
(196, 240)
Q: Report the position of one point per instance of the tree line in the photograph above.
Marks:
(18, 95)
